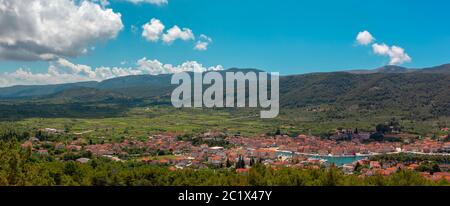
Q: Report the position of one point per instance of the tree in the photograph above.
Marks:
(331, 177)
(358, 167)
(377, 137)
(252, 162)
(66, 129)
(227, 163)
(278, 132)
(382, 128)
(259, 175)
(435, 168)
(70, 168)
(240, 163)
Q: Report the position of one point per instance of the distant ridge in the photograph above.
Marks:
(393, 69)
(442, 69)
(22, 91)
(134, 85)
(389, 69)
(419, 93)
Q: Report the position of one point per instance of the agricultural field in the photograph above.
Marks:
(140, 122)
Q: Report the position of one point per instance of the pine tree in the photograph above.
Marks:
(252, 162)
(228, 163)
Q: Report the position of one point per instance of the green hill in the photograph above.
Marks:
(411, 93)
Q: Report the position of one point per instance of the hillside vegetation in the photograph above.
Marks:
(418, 97)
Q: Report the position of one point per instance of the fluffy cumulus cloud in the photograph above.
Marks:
(63, 71)
(48, 29)
(396, 54)
(153, 30)
(103, 3)
(155, 67)
(203, 43)
(381, 49)
(155, 2)
(364, 38)
(175, 33)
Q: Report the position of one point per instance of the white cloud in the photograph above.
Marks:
(64, 71)
(381, 49)
(155, 2)
(103, 3)
(48, 29)
(364, 38)
(155, 67)
(203, 43)
(153, 30)
(175, 33)
(396, 54)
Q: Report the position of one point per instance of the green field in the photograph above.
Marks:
(140, 122)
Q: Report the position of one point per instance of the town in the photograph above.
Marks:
(358, 154)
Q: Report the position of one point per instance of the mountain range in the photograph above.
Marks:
(445, 68)
(420, 92)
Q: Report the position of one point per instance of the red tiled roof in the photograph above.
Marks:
(242, 170)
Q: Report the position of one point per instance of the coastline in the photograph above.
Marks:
(360, 155)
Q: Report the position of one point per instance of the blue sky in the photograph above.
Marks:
(288, 36)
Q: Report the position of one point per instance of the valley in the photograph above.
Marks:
(129, 122)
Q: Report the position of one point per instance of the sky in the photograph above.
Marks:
(59, 41)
